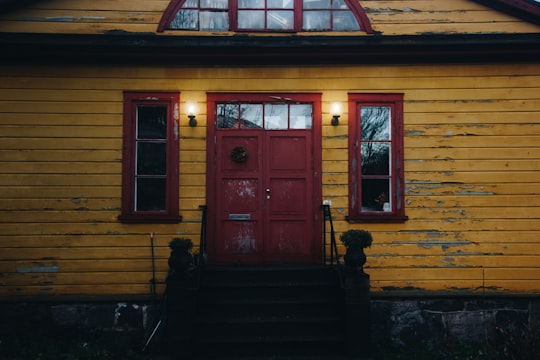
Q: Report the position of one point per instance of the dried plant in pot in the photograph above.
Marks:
(355, 241)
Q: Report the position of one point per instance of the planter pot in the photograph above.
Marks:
(355, 258)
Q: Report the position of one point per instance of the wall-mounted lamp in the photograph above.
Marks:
(191, 109)
(335, 109)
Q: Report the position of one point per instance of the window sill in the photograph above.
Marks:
(376, 219)
(149, 219)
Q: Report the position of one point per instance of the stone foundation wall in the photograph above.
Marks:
(430, 322)
(407, 322)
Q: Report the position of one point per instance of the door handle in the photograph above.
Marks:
(268, 194)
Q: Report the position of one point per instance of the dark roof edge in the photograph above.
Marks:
(244, 49)
(526, 10)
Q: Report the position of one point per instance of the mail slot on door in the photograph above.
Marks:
(239, 217)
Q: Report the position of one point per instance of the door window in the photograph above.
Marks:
(267, 115)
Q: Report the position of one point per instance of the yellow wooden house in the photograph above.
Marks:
(122, 123)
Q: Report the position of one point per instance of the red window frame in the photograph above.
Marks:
(396, 213)
(131, 101)
(354, 6)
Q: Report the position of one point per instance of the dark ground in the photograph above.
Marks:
(70, 345)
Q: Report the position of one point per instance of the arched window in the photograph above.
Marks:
(265, 15)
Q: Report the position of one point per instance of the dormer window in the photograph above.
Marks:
(265, 15)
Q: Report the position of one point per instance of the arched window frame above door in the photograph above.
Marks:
(296, 11)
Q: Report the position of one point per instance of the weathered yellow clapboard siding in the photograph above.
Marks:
(79, 278)
(417, 16)
(59, 192)
(445, 92)
(447, 225)
(62, 229)
(516, 153)
(425, 238)
(114, 5)
(473, 141)
(61, 155)
(73, 27)
(412, 78)
(60, 168)
(445, 28)
(420, 249)
(387, 17)
(472, 191)
(475, 129)
(454, 261)
(83, 16)
(84, 253)
(466, 177)
(466, 165)
(83, 266)
(48, 291)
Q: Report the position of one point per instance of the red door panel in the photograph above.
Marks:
(264, 204)
(289, 207)
(238, 199)
(288, 242)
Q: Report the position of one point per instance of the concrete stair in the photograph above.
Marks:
(270, 312)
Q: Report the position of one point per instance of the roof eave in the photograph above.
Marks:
(212, 50)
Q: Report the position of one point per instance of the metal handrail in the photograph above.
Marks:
(334, 254)
(202, 244)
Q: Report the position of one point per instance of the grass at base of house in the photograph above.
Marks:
(70, 344)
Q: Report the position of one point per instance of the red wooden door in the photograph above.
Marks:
(264, 205)
(288, 200)
(264, 178)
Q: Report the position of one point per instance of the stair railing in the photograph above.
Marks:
(334, 254)
(201, 259)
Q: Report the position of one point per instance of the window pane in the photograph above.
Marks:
(281, 4)
(301, 116)
(280, 20)
(150, 194)
(214, 20)
(316, 20)
(151, 158)
(186, 20)
(251, 19)
(151, 122)
(275, 116)
(214, 4)
(375, 122)
(316, 4)
(251, 4)
(375, 158)
(376, 195)
(251, 116)
(227, 116)
(190, 4)
(344, 21)
(339, 4)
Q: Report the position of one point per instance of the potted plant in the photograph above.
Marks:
(181, 261)
(356, 286)
(355, 241)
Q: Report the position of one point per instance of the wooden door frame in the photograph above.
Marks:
(211, 158)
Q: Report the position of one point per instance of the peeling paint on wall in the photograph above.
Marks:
(39, 268)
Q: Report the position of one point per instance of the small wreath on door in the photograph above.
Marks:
(239, 154)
